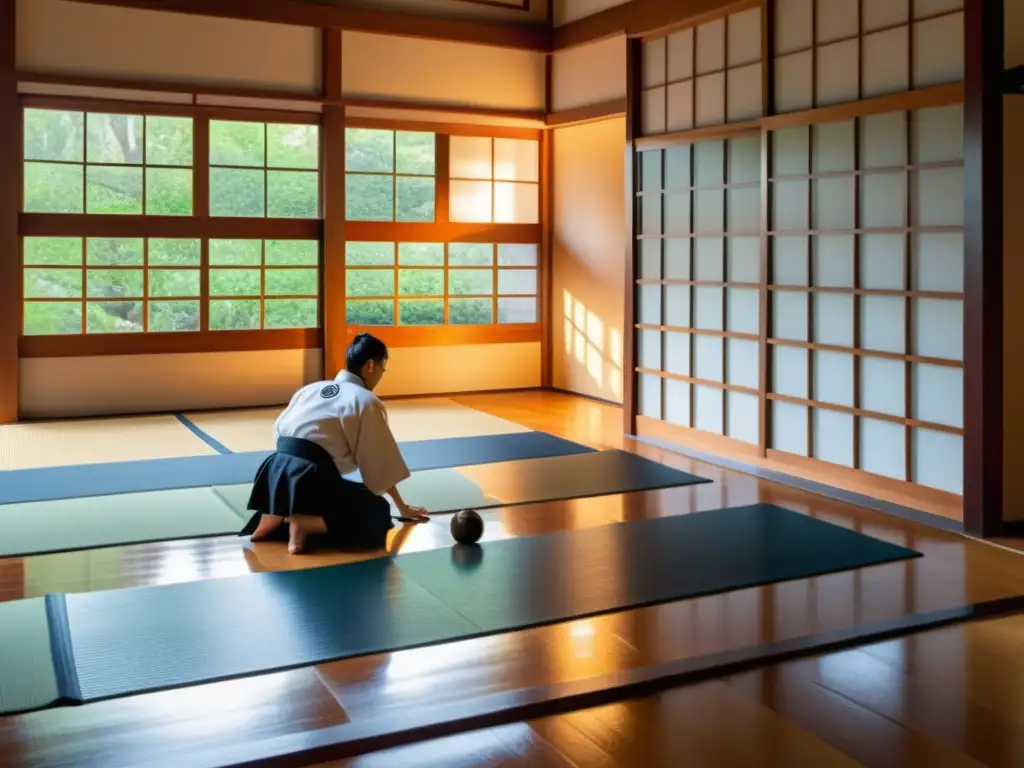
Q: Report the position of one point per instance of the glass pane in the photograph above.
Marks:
(175, 283)
(414, 153)
(470, 254)
(52, 134)
(174, 252)
(113, 252)
(421, 254)
(290, 313)
(369, 150)
(291, 282)
(44, 318)
(293, 146)
(369, 254)
(293, 194)
(169, 142)
(421, 282)
(369, 198)
(421, 312)
(517, 255)
(109, 189)
(370, 312)
(293, 252)
(113, 283)
(169, 191)
(470, 157)
(470, 282)
(415, 201)
(235, 315)
(113, 139)
(517, 310)
(113, 317)
(52, 250)
(517, 281)
(53, 188)
(516, 203)
(470, 201)
(370, 282)
(236, 193)
(236, 143)
(471, 311)
(169, 316)
(53, 283)
(235, 282)
(517, 159)
(236, 253)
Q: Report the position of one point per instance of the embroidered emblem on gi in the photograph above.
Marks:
(331, 390)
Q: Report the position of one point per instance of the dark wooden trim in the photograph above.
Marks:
(168, 343)
(766, 245)
(332, 162)
(604, 110)
(547, 211)
(321, 15)
(905, 101)
(115, 225)
(524, 5)
(446, 232)
(983, 268)
(451, 129)
(10, 204)
(634, 84)
(524, 704)
(132, 107)
(1013, 80)
(368, 102)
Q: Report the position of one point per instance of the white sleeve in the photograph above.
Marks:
(377, 455)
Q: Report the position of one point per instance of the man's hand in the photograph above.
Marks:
(418, 514)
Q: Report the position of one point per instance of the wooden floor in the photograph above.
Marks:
(946, 698)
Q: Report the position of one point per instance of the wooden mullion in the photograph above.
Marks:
(766, 244)
(725, 270)
(908, 301)
(663, 297)
(85, 284)
(692, 346)
(145, 283)
(814, 54)
(332, 186)
(201, 210)
(634, 54)
(811, 242)
(857, 298)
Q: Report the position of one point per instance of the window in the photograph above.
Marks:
(494, 180)
(389, 175)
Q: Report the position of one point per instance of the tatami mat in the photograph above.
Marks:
(95, 441)
(251, 429)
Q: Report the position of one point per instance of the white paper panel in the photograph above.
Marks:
(883, 140)
(649, 309)
(883, 200)
(742, 416)
(741, 366)
(677, 213)
(649, 395)
(794, 29)
(744, 37)
(708, 305)
(833, 377)
(744, 210)
(677, 167)
(677, 306)
(709, 163)
(886, 62)
(650, 215)
(677, 353)
(938, 197)
(710, 100)
(789, 261)
(938, 261)
(649, 349)
(882, 323)
(653, 111)
(794, 82)
(883, 385)
(677, 402)
(836, 19)
(743, 90)
(938, 394)
(833, 260)
(679, 116)
(833, 205)
(789, 428)
(744, 255)
(923, 8)
(708, 358)
(877, 14)
(516, 203)
(677, 258)
(790, 204)
(833, 318)
(938, 459)
(709, 264)
(881, 261)
(744, 160)
(789, 371)
(883, 448)
(790, 151)
(837, 67)
(654, 62)
(708, 409)
(680, 55)
(789, 315)
(833, 436)
(650, 171)
(743, 310)
(709, 213)
(711, 46)
(939, 328)
(833, 147)
(938, 51)
(938, 134)
(650, 259)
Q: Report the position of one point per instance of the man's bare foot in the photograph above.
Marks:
(300, 527)
(268, 524)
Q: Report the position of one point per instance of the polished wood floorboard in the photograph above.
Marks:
(950, 697)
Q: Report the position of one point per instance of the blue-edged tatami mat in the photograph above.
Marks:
(86, 480)
(129, 641)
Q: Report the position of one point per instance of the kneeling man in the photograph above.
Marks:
(330, 429)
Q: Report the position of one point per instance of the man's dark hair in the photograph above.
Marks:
(363, 349)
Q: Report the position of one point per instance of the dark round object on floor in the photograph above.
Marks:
(467, 526)
(467, 557)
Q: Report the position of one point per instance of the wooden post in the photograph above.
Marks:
(10, 207)
(333, 153)
(547, 212)
(634, 83)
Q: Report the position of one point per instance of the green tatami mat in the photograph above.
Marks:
(39, 527)
(27, 680)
